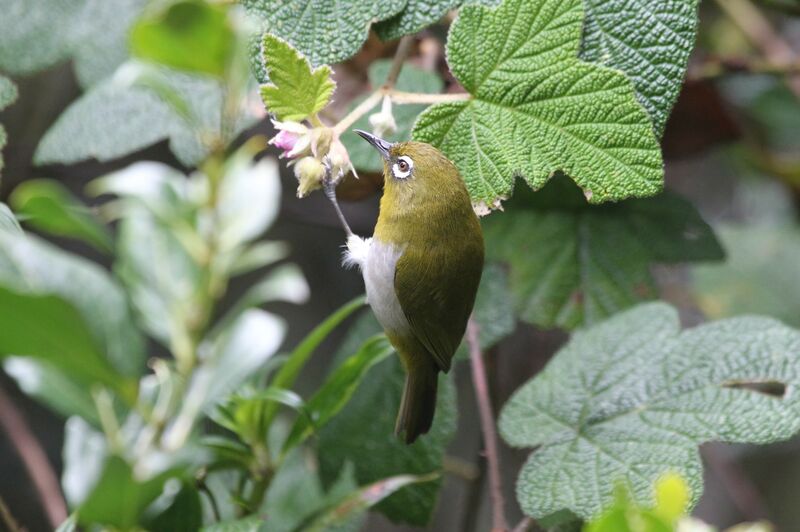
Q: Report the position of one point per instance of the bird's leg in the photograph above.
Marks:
(329, 185)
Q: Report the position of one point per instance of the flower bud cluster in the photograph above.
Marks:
(316, 153)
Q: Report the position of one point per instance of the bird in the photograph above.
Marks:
(421, 268)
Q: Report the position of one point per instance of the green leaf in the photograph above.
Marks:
(295, 494)
(84, 453)
(624, 515)
(296, 91)
(155, 241)
(377, 399)
(70, 524)
(631, 399)
(759, 275)
(299, 356)
(493, 308)
(419, 14)
(248, 524)
(81, 292)
(8, 94)
(53, 385)
(191, 35)
(119, 498)
(183, 512)
(249, 342)
(8, 222)
(245, 184)
(649, 40)
(360, 501)
(412, 79)
(325, 32)
(535, 108)
(40, 33)
(572, 264)
(48, 206)
(66, 342)
(337, 390)
(116, 117)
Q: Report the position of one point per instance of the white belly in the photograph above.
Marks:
(378, 261)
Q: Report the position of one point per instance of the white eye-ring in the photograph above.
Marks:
(403, 167)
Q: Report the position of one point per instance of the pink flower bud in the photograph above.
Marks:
(293, 138)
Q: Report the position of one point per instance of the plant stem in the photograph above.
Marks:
(399, 59)
(731, 65)
(387, 89)
(421, 97)
(34, 459)
(7, 519)
(759, 31)
(499, 521)
(524, 525)
(741, 490)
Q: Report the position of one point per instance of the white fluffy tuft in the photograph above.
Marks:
(356, 254)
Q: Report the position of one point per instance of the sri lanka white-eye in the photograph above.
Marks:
(421, 268)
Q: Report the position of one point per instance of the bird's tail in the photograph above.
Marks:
(419, 402)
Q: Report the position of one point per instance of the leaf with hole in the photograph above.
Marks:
(630, 399)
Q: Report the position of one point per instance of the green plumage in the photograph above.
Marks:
(429, 216)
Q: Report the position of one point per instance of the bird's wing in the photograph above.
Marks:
(436, 288)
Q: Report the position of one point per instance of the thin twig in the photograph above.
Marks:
(741, 490)
(723, 66)
(360, 110)
(499, 521)
(759, 31)
(524, 525)
(7, 519)
(421, 97)
(34, 459)
(399, 59)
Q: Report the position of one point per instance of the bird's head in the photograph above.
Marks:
(415, 170)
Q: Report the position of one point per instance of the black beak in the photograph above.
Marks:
(378, 143)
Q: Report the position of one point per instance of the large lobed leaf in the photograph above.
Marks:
(377, 399)
(296, 91)
(649, 40)
(535, 108)
(573, 264)
(419, 14)
(325, 32)
(632, 398)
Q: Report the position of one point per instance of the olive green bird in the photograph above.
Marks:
(421, 268)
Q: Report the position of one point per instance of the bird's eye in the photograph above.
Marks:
(402, 168)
